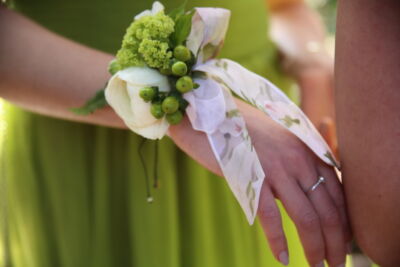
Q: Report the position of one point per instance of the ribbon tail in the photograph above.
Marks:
(229, 141)
(271, 100)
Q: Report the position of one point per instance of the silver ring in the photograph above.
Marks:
(321, 180)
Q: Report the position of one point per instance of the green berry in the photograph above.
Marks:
(148, 93)
(196, 85)
(182, 53)
(184, 84)
(156, 110)
(179, 68)
(166, 71)
(113, 67)
(170, 104)
(175, 117)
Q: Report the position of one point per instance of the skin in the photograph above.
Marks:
(367, 99)
(35, 80)
(281, 4)
(294, 25)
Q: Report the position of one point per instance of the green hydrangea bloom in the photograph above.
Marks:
(146, 42)
(128, 56)
(155, 53)
(158, 26)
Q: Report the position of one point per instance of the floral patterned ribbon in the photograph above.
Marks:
(212, 110)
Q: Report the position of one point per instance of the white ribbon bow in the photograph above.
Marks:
(213, 111)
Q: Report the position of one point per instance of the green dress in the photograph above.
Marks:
(74, 194)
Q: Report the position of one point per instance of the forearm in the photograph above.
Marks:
(48, 74)
(317, 101)
(367, 101)
(196, 144)
(317, 93)
(53, 74)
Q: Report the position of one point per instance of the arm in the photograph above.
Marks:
(368, 115)
(56, 74)
(299, 33)
(35, 79)
(33, 67)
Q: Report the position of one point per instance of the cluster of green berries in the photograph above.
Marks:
(172, 105)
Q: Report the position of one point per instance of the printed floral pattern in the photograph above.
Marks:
(212, 109)
(228, 135)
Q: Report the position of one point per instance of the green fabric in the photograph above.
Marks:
(75, 195)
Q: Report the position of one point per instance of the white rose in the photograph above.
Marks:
(122, 93)
(157, 7)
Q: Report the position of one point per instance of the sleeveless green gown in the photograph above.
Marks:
(74, 194)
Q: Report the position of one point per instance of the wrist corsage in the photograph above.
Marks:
(166, 68)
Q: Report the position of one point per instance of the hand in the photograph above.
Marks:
(299, 33)
(291, 169)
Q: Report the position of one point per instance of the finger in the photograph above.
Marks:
(302, 213)
(271, 222)
(335, 190)
(329, 215)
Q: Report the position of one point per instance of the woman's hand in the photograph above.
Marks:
(299, 33)
(289, 165)
(291, 169)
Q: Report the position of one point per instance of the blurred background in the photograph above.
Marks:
(327, 9)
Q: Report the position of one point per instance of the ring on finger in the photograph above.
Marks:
(321, 180)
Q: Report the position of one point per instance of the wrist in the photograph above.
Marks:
(315, 78)
(316, 87)
(311, 65)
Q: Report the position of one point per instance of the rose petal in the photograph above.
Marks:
(124, 98)
(209, 26)
(142, 14)
(216, 21)
(196, 35)
(118, 98)
(157, 7)
(155, 131)
(144, 76)
(141, 114)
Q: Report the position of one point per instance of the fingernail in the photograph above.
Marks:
(349, 248)
(321, 264)
(284, 258)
